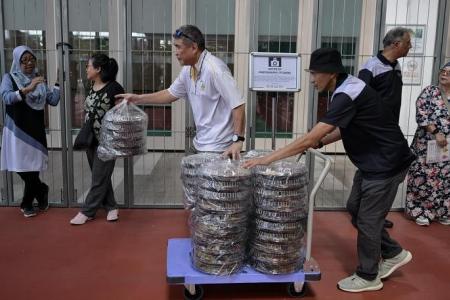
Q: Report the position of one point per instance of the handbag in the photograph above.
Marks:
(86, 136)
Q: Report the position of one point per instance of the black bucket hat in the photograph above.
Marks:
(326, 60)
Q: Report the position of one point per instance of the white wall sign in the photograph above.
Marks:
(412, 68)
(278, 72)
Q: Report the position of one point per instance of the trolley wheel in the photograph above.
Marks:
(197, 296)
(293, 293)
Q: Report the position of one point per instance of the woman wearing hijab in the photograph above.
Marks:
(24, 143)
(428, 190)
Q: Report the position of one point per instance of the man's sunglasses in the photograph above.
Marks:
(178, 33)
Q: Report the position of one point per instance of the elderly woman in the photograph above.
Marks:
(24, 144)
(428, 191)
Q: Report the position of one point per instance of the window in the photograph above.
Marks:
(88, 33)
(22, 28)
(215, 18)
(151, 50)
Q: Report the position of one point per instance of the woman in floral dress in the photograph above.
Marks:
(428, 191)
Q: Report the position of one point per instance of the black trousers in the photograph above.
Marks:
(368, 204)
(101, 193)
(34, 188)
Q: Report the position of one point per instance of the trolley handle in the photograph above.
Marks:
(328, 161)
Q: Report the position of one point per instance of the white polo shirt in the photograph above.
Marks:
(212, 96)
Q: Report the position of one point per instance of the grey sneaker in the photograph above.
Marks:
(422, 221)
(356, 284)
(444, 220)
(387, 266)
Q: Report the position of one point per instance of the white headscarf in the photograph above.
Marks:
(37, 98)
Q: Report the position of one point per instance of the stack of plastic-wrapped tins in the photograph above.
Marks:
(123, 132)
(190, 166)
(220, 219)
(281, 200)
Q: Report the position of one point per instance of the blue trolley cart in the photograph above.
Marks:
(181, 271)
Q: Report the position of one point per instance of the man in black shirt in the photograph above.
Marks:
(384, 75)
(376, 146)
(383, 72)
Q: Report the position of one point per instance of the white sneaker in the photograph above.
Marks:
(113, 215)
(356, 284)
(444, 220)
(387, 266)
(79, 219)
(422, 221)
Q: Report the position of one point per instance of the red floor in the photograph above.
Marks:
(46, 258)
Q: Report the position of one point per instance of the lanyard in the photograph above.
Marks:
(196, 79)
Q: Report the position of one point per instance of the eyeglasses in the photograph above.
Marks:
(444, 72)
(178, 33)
(27, 61)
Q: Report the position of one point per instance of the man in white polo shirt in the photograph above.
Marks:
(206, 82)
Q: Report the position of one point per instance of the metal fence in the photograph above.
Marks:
(138, 34)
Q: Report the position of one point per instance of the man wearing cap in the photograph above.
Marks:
(384, 75)
(376, 146)
(206, 82)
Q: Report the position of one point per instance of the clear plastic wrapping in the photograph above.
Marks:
(225, 197)
(220, 220)
(279, 237)
(225, 171)
(280, 216)
(280, 227)
(217, 269)
(255, 154)
(281, 201)
(281, 175)
(123, 132)
(190, 166)
(275, 248)
(276, 267)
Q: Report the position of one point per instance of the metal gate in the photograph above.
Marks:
(138, 34)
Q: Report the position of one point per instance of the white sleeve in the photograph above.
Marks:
(178, 88)
(228, 89)
(19, 96)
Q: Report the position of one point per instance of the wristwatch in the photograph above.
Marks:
(236, 138)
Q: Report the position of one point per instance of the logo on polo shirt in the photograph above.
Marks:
(202, 85)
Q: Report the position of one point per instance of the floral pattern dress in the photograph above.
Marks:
(428, 189)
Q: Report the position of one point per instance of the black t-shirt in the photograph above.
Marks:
(372, 139)
(99, 102)
(386, 79)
